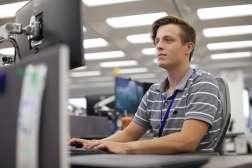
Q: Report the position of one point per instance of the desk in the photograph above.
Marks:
(242, 161)
(154, 161)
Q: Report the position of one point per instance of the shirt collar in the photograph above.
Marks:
(182, 83)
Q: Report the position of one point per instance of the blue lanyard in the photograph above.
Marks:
(164, 119)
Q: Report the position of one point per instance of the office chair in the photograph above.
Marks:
(226, 115)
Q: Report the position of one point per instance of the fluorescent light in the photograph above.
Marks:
(100, 79)
(229, 45)
(96, 42)
(224, 12)
(227, 31)
(139, 38)
(118, 64)
(7, 51)
(134, 20)
(149, 51)
(9, 10)
(85, 73)
(142, 76)
(133, 70)
(91, 3)
(104, 55)
(231, 55)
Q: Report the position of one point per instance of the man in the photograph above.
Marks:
(184, 110)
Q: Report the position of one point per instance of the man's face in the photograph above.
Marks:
(170, 50)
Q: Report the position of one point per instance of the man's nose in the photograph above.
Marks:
(159, 45)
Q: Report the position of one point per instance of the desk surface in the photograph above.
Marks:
(242, 161)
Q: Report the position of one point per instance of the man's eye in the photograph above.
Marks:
(168, 39)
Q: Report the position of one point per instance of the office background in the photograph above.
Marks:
(101, 35)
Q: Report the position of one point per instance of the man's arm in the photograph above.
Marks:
(131, 133)
(186, 140)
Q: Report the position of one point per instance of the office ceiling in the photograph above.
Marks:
(97, 27)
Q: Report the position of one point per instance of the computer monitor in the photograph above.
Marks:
(53, 130)
(61, 22)
(128, 95)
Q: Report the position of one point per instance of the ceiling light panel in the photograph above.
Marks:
(233, 55)
(9, 10)
(229, 45)
(133, 70)
(227, 31)
(134, 20)
(142, 76)
(224, 12)
(104, 55)
(149, 51)
(95, 43)
(139, 38)
(118, 64)
(91, 3)
(85, 74)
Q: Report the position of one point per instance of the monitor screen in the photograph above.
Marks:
(128, 95)
(60, 22)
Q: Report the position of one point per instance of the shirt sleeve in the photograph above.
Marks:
(142, 117)
(203, 99)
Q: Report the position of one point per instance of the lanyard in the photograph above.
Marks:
(164, 119)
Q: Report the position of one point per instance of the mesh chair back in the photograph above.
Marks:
(226, 115)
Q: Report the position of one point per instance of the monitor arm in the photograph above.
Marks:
(8, 29)
(102, 104)
(32, 31)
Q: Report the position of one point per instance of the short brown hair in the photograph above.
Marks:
(187, 31)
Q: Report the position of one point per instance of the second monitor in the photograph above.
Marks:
(128, 95)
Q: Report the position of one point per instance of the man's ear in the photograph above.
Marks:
(189, 47)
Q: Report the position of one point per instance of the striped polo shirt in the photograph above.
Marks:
(198, 97)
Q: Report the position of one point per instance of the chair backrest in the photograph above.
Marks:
(226, 113)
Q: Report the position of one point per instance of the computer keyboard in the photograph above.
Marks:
(81, 151)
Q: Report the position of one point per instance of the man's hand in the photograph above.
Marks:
(113, 147)
(86, 144)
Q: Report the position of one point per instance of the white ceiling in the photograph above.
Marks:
(94, 20)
